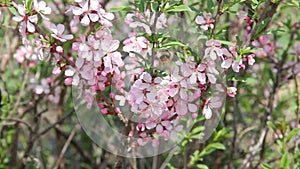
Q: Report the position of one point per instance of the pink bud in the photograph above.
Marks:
(68, 81)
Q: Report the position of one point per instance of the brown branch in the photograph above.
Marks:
(264, 15)
(63, 151)
(54, 124)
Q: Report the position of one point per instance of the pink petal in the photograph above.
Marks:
(109, 16)
(183, 94)
(212, 78)
(68, 81)
(30, 27)
(200, 20)
(85, 21)
(18, 18)
(60, 29)
(159, 129)
(147, 77)
(192, 108)
(77, 11)
(93, 17)
(94, 4)
(69, 72)
(213, 55)
(67, 37)
(173, 92)
(193, 79)
(207, 112)
(226, 63)
(21, 9)
(202, 78)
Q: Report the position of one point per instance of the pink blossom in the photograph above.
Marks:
(251, 59)
(213, 49)
(231, 91)
(86, 8)
(136, 44)
(211, 103)
(58, 33)
(205, 22)
(91, 11)
(24, 53)
(68, 81)
(28, 21)
(42, 88)
(236, 65)
(56, 70)
(41, 8)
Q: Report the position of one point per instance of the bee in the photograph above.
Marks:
(165, 56)
(167, 59)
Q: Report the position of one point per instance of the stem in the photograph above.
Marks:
(153, 53)
(264, 15)
(216, 18)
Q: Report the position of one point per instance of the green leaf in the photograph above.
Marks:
(284, 160)
(227, 43)
(212, 147)
(180, 8)
(142, 5)
(174, 44)
(292, 134)
(210, 4)
(28, 6)
(197, 129)
(154, 6)
(121, 8)
(266, 166)
(202, 166)
(262, 25)
(13, 10)
(271, 125)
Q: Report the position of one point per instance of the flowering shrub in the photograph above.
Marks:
(159, 71)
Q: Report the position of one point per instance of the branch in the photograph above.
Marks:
(63, 151)
(54, 125)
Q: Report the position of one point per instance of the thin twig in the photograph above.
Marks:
(18, 121)
(54, 124)
(170, 155)
(63, 151)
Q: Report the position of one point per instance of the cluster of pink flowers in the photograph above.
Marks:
(26, 53)
(267, 44)
(90, 11)
(159, 101)
(48, 87)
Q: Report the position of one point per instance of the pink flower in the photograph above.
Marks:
(136, 44)
(58, 33)
(91, 11)
(205, 22)
(68, 81)
(210, 104)
(251, 59)
(236, 65)
(41, 8)
(231, 91)
(86, 8)
(24, 53)
(213, 49)
(28, 20)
